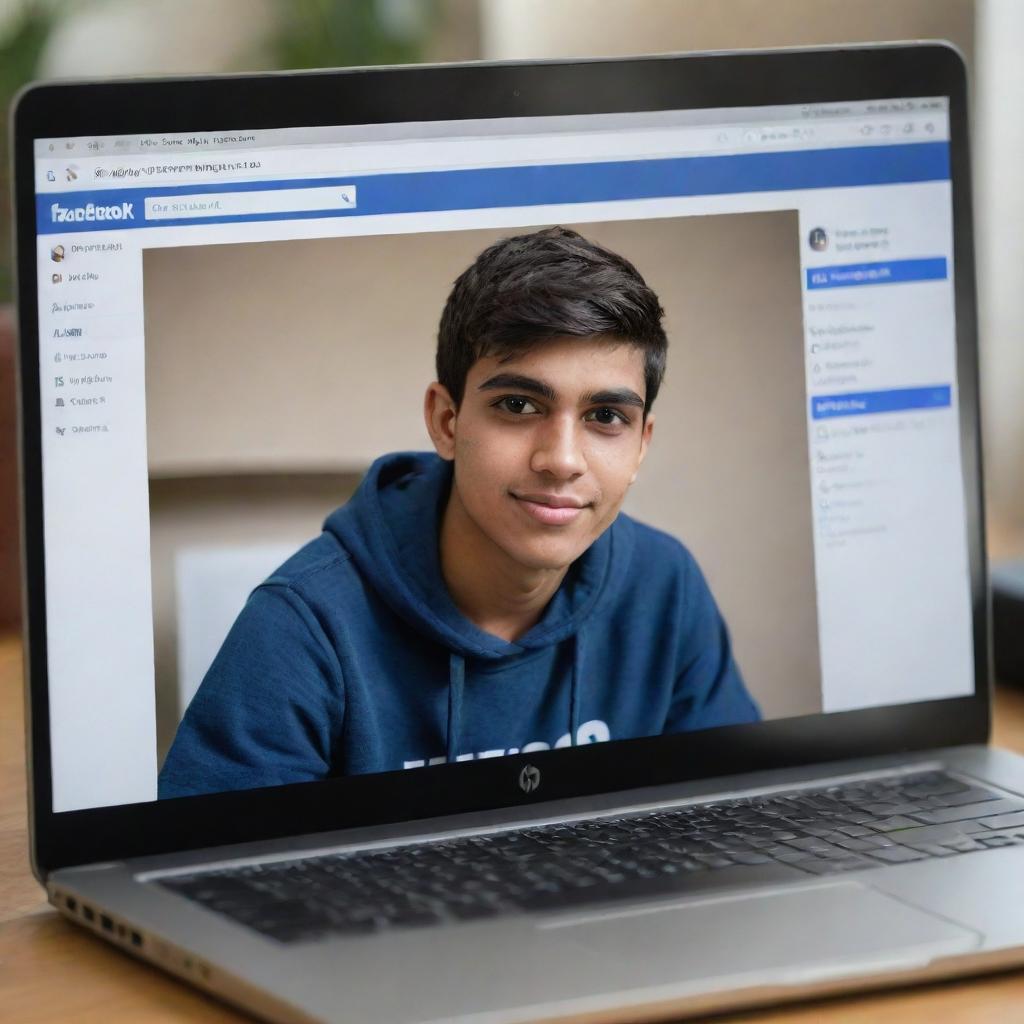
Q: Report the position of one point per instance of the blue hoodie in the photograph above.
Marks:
(353, 658)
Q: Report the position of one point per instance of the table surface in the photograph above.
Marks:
(51, 970)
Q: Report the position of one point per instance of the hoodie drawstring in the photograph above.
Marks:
(456, 681)
(456, 686)
(574, 686)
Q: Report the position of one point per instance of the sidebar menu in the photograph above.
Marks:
(96, 533)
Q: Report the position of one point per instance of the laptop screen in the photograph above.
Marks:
(372, 448)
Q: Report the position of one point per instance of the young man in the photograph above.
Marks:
(488, 599)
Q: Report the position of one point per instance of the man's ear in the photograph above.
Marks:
(645, 441)
(439, 412)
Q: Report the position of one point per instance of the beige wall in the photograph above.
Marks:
(312, 356)
(727, 471)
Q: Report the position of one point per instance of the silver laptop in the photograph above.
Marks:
(504, 541)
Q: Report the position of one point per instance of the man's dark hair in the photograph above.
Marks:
(553, 283)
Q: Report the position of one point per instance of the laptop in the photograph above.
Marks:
(504, 541)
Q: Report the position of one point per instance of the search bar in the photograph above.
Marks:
(245, 204)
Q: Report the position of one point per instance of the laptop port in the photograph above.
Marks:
(71, 903)
(107, 923)
(88, 913)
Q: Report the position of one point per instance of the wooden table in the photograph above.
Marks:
(52, 971)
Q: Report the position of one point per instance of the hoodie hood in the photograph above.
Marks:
(391, 528)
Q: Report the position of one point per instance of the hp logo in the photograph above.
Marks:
(529, 778)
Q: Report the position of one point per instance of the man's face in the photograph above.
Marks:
(546, 445)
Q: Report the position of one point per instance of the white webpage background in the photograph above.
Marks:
(879, 603)
(893, 578)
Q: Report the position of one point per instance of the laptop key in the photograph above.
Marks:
(794, 857)
(897, 854)
(712, 860)
(893, 824)
(994, 841)
(857, 844)
(941, 785)
(750, 858)
(964, 845)
(930, 834)
(966, 811)
(889, 809)
(973, 795)
(854, 830)
(809, 843)
(853, 817)
(1004, 821)
(932, 850)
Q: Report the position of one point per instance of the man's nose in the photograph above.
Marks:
(559, 450)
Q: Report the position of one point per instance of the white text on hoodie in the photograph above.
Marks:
(594, 731)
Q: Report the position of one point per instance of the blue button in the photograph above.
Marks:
(849, 275)
(863, 403)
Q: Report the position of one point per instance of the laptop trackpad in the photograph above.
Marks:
(794, 936)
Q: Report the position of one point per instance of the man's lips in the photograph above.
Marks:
(550, 509)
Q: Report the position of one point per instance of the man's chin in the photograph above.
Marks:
(545, 557)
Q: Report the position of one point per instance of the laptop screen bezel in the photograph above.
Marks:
(454, 92)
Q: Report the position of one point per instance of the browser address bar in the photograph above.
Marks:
(375, 158)
(237, 204)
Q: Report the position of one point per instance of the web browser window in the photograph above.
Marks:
(246, 583)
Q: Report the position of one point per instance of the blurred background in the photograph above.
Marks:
(43, 39)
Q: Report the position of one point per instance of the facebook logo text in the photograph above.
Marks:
(91, 212)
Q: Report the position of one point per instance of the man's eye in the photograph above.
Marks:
(517, 405)
(606, 416)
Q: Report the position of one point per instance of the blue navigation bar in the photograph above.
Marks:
(850, 275)
(825, 407)
(534, 185)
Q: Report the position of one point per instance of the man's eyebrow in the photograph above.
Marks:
(614, 396)
(517, 382)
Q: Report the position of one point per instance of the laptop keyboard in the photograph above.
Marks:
(850, 827)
